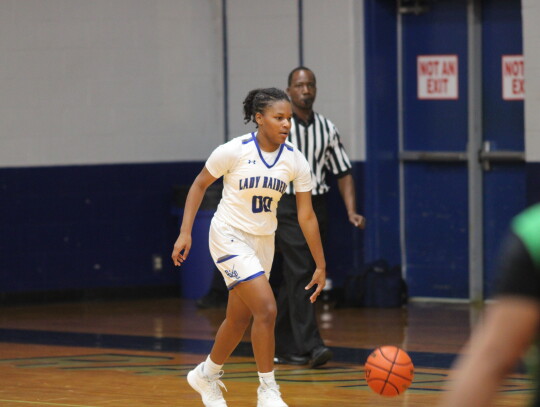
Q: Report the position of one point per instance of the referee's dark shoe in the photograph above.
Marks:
(319, 356)
(291, 360)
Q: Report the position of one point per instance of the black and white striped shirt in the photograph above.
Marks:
(320, 143)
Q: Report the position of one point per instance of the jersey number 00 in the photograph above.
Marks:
(261, 203)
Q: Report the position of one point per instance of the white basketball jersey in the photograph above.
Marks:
(252, 187)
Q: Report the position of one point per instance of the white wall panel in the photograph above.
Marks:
(112, 81)
(334, 50)
(101, 81)
(263, 48)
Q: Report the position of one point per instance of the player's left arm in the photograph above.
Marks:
(348, 194)
(310, 228)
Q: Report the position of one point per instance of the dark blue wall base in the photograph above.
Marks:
(90, 294)
(533, 183)
(67, 229)
(84, 227)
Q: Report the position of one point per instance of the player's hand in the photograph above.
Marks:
(357, 220)
(181, 249)
(319, 279)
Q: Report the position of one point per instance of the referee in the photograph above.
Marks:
(298, 340)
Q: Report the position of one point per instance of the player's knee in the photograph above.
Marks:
(266, 313)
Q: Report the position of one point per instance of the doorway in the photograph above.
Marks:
(461, 141)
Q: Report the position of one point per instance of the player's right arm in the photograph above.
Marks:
(219, 162)
(193, 202)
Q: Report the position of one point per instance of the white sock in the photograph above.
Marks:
(210, 368)
(267, 379)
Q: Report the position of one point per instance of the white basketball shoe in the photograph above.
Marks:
(269, 395)
(207, 387)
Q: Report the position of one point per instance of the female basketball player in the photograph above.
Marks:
(256, 170)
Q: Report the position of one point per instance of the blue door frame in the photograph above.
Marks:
(434, 227)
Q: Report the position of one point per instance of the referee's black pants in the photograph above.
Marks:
(297, 332)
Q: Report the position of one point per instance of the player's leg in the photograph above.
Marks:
(231, 331)
(257, 294)
(205, 377)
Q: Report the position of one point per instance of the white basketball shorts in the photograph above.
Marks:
(238, 255)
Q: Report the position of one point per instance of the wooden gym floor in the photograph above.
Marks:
(137, 353)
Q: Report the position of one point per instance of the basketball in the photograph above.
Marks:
(389, 371)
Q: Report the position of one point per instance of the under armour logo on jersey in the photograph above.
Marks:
(252, 161)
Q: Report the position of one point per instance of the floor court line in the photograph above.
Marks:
(197, 346)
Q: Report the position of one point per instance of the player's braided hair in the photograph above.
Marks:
(259, 99)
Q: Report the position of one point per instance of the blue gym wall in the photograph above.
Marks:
(75, 216)
(106, 106)
(100, 226)
(86, 227)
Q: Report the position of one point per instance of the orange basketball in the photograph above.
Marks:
(389, 371)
